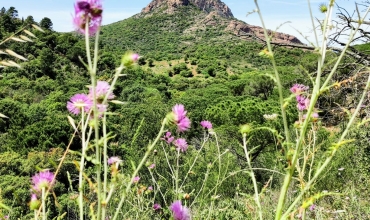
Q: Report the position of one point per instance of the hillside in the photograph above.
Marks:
(195, 53)
(165, 31)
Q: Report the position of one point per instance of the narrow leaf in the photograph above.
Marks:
(29, 33)
(72, 122)
(14, 64)
(17, 39)
(37, 28)
(118, 102)
(5, 63)
(2, 52)
(14, 54)
(3, 116)
(25, 38)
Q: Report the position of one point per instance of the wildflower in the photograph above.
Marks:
(150, 188)
(168, 138)
(314, 116)
(302, 102)
(79, 102)
(101, 90)
(34, 203)
(298, 88)
(181, 144)
(179, 212)
(129, 59)
(152, 166)
(206, 124)
(179, 117)
(312, 207)
(136, 179)
(88, 12)
(113, 160)
(44, 179)
(156, 206)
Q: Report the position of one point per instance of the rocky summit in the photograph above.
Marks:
(205, 5)
(218, 13)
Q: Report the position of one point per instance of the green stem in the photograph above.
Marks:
(192, 165)
(256, 194)
(43, 198)
(177, 174)
(105, 164)
(146, 155)
(81, 168)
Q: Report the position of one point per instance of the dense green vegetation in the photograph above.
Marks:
(217, 76)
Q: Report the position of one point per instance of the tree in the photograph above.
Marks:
(12, 12)
(29, 20)
(46, 23)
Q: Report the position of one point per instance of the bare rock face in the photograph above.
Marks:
(214, 5)
(206, 5)
(172, 4)
(241, 28)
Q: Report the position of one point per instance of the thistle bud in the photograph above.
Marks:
(244, 129)
(129, 59)
(35, 203)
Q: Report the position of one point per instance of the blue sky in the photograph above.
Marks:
(275, 12)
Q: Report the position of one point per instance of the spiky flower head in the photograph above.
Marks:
(206, 124)
(129, 59)
(101, 90)
(298, 88)
(168, 137)
(43, 179)
(88, 13)
(178, 117)
(302, 102)
(113, 160)
(136, 179)
(156, 206)
(323, 8)
(79, 102)
(180, 212)
(181, 144)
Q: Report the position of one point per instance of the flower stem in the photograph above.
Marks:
(146, 155)
(43, 198)
(256, 194)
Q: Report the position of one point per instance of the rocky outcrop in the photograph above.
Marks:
(172, 4)
(240, 28)
(214, 5)
(205, 5)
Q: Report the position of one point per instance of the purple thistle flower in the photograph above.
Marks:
(152, 166)
(88, 12)
(302, 102)
(136, 179)
(298, 88)
(113, 160)
(206, 124)
(77, 102)
(181, 144)
(101, 90)
(312, 207)
(182, 122)
(150, 188)
(44, 179)
(168, 138)
(180, 212)
(156, 206)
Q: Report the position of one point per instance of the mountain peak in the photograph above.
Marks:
(205, 5)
